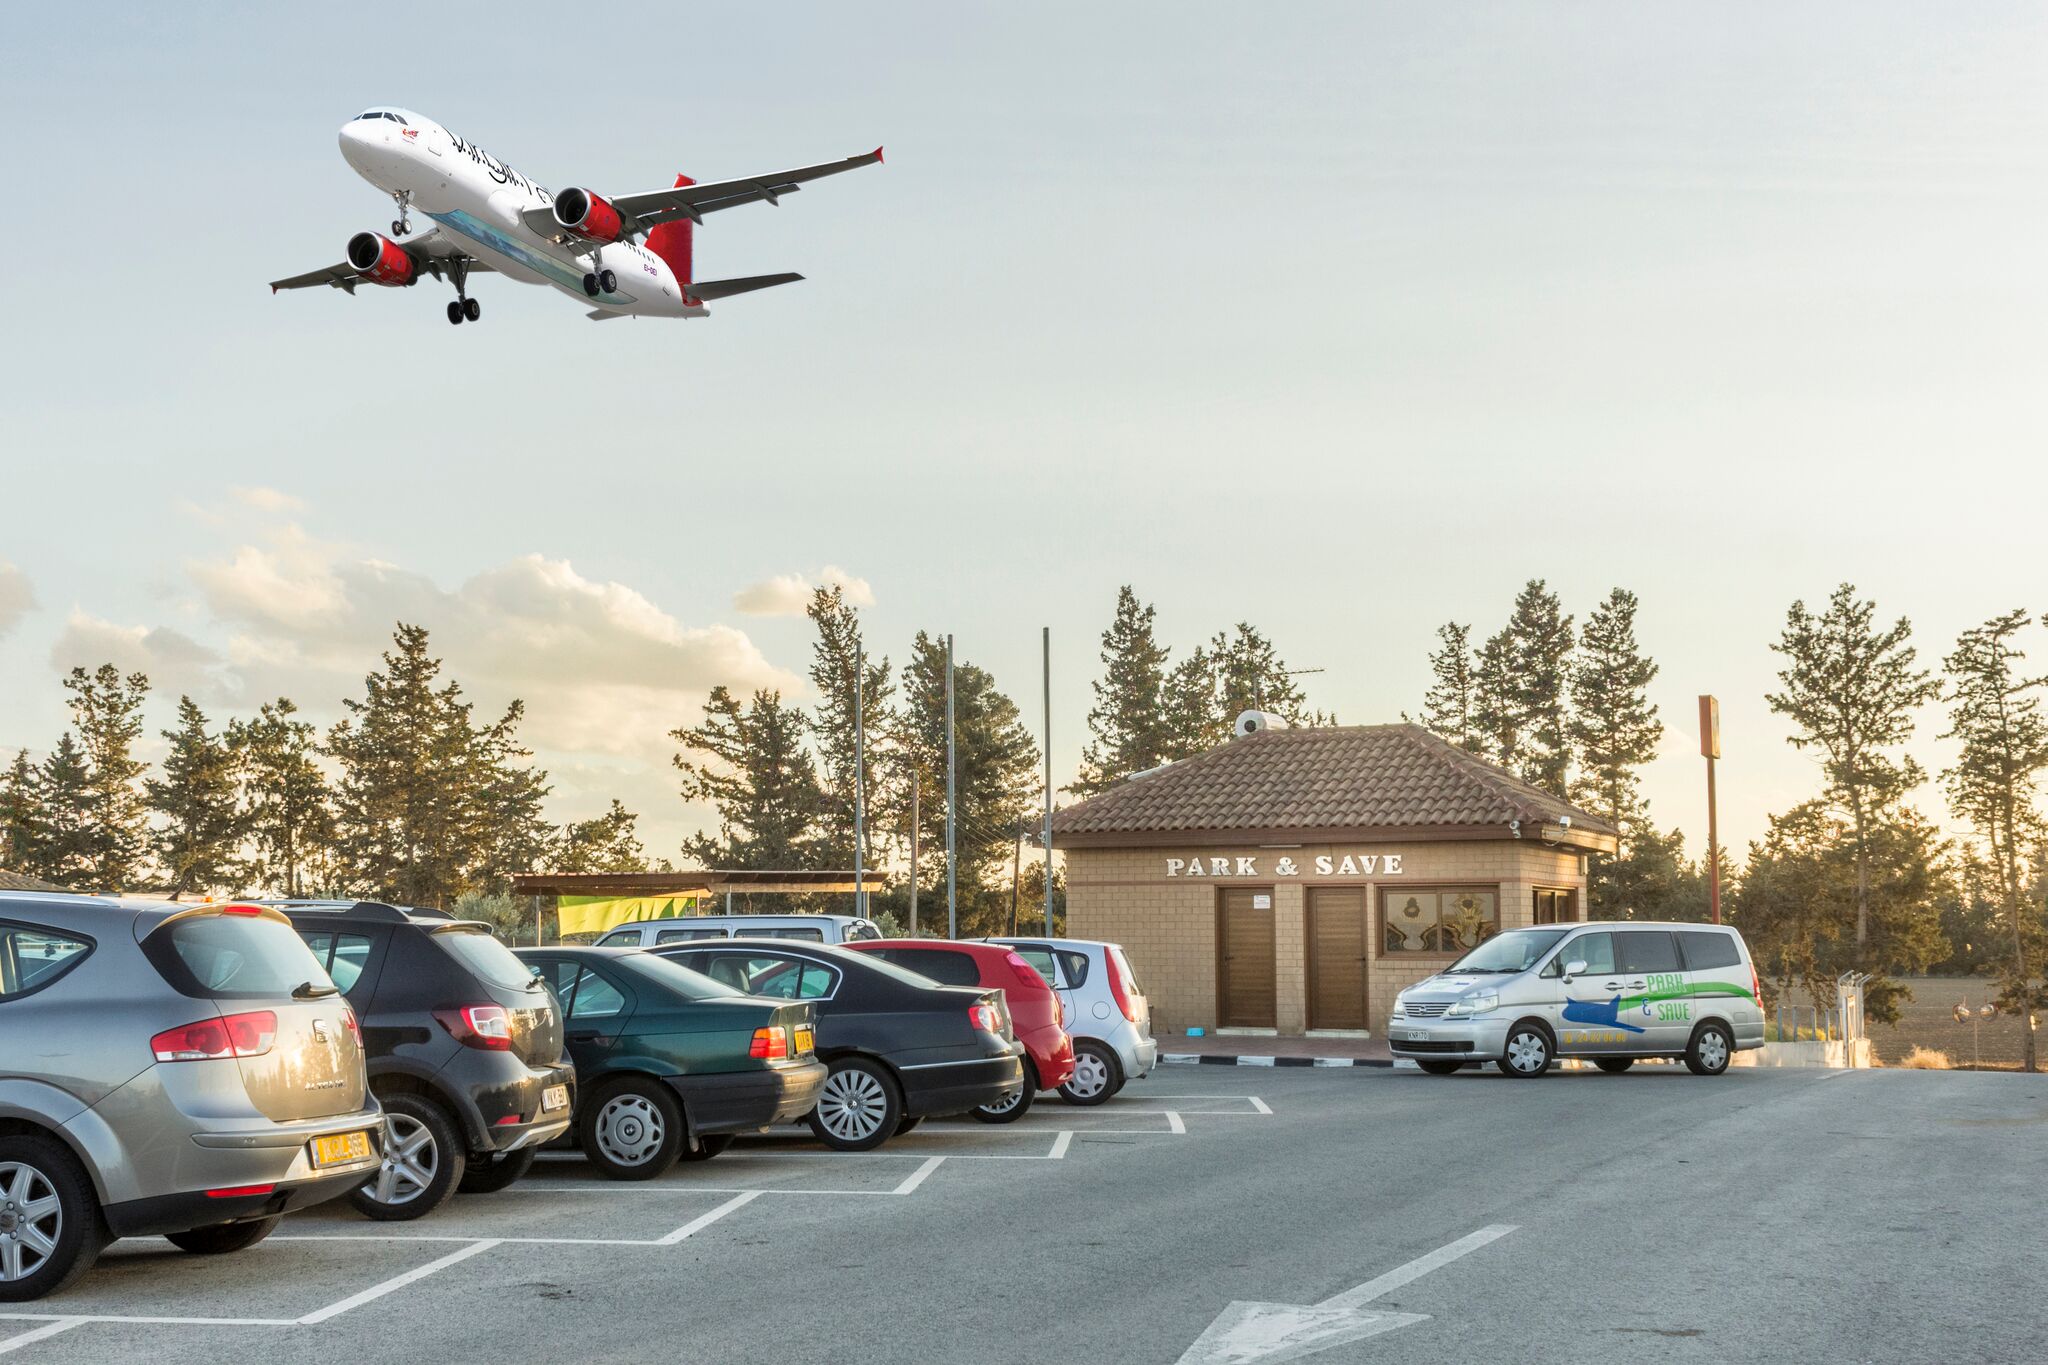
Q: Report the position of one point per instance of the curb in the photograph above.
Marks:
(1212, 1059)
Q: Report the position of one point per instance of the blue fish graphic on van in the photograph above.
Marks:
(1605, 1014)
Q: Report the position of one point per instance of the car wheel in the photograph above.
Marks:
(907, 1124)
(1614, 1066)
(1097, 1075)
(1439, 1068)
(1014, 1105)
(424, 1160)
(50, 1226)
(1526, 1052)
(222, 1238)
(859, 1108)
(489, 1173)
(708, 1147)
(635, 1130)
(1710, 1051)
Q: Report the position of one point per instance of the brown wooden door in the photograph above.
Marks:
(1244, 970)
(1336, 958)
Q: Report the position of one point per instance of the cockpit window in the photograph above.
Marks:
(371, 114)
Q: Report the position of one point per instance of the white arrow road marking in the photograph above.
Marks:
(1287, 1331)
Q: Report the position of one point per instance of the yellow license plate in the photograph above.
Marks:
(804, 1041)
(338, 1149)
(553, 1098)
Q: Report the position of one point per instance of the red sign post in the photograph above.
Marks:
(1710, 749)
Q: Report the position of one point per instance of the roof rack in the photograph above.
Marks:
(377, 910)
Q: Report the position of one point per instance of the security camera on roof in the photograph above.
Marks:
(1251, 722)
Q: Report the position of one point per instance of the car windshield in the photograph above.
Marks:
(1515, 951)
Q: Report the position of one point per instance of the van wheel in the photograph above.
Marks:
(708, 1147)
(634, 1130)
(859, 1108)
(1614, 1066)
(1710, 1050)
(1439, 1068)
(50, 1226)
(222, 1238)
(487, 1173)
(424, 1160)
(1097, 1075)
(1527, 1052)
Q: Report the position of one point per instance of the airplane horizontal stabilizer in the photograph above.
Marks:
(723, 289)
(599, 315)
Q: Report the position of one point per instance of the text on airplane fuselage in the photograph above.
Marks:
(499, 171)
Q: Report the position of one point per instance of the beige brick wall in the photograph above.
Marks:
(1168, 924)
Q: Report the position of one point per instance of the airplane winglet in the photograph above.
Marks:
(878, 154)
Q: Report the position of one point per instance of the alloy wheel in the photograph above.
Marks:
(1091, 1075)
(852, 1105)
(630, 1130)
(31, 1219)
(411, 1161)
(1006, 1103)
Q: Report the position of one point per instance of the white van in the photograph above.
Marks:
(1609, 991)
(689, 928)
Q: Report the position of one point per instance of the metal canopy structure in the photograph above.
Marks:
(693, 882)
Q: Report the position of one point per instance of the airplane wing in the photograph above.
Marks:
(434, 252)
(646, 209)
(725, 289)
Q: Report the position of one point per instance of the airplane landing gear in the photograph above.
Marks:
(402, 224)
(590, 285)
(455, 311)
(462, 306)
(471, 309)
(600, 282)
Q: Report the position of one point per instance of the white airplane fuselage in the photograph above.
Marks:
(477, 199)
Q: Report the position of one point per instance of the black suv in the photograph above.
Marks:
(464, 1046)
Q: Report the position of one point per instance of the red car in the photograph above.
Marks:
(1034, 1009)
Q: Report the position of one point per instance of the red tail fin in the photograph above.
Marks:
(671, 242)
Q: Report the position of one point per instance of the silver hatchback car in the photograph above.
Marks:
(1104, 1012)
(179, 1070)
(1610, 992)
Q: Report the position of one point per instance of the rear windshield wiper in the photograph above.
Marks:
(314, 990)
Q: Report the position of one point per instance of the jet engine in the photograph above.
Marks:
(380, 260)
(588, 215)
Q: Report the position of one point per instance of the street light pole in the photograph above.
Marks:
(952, 871)
(1710, 749)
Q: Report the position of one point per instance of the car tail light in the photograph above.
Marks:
(1026, 973)
(1756, 987)
(487, 1028)
(241, 909)
(355, 1030)
(239, 1191)
(770, 1044)
(1120, 987)
(985, 1018)
(233, 1035)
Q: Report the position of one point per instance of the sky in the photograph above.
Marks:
(1342, 319)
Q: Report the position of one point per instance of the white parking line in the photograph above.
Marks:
(378, 1291)
(918, 1176)
(1174, 1122)
(1259, 1105)
(43, 1333)
(1060, 1145)
(705, 1220)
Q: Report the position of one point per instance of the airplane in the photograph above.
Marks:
(628, 254)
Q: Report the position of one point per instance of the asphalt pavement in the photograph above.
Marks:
(1206, 1214)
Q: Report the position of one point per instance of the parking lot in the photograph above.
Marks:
(1206, 1213)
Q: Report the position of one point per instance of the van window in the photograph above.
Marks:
(861, 931)
(805, 935)
(624, 938)
(1646, 950)
(232, 957)
(1595, 950)
(31, 959)
(1706, 950)
(687, 935)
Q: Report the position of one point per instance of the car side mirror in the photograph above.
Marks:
(1572, 969)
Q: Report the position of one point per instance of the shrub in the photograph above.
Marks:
(1926, 1059)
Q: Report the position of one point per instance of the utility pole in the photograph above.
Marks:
(1045, 640)
(860, 736)
(1016, 875)
(952, 872)
(1710, 749)
(916, 787)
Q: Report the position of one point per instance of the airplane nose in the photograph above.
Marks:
(355, 141)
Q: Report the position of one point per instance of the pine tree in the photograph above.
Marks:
(1496, 715)
(606, 843)
(106, 710)
(21, 817)
(405, 823)
(1995, 785)
(756, 773)
(838, 730)
(1192, 709)
(201, 823)
(65, 839)
(1538, 648)
(508, 831)
(1251, 676)
(1450, 709)
(287, 808)
(996, 780)
(1614, 725)
(1852, 690)
(1127, 726)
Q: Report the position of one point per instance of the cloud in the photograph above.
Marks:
(17, 597)
(268, 500)
(789, 594)
(173, 661)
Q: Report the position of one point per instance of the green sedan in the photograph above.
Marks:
(670, 1063)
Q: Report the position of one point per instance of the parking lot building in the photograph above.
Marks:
(1293, 880)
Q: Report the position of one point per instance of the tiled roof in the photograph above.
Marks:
(14, 881)
(1326, 779)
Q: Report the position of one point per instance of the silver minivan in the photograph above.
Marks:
(1610, 992)
(188, 1071)
(657, 933)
